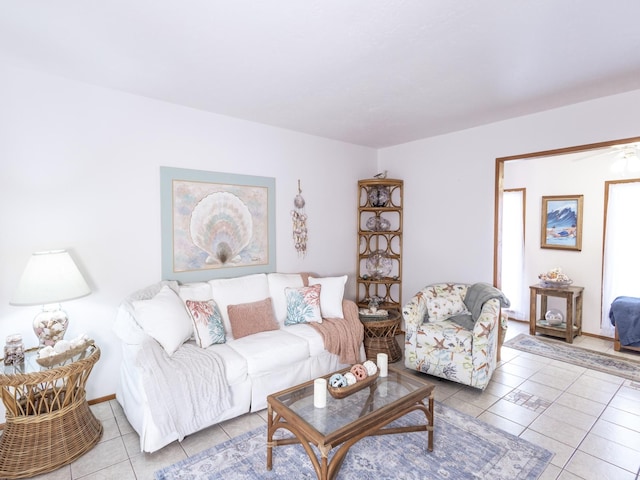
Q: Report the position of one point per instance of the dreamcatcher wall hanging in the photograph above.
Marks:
(299, 224)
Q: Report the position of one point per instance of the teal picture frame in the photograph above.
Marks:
(216, 225)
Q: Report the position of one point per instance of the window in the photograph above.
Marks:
(512, 273)
(621, 261)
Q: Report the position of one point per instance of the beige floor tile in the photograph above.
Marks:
(523, 371)
(120, 471)
(581, 404)
(513, 412)
(101, 456)
(619, 455)
(62, 473)
(463, 406)
(592, 468)
(550, 473)
(242, 424)
(145, 464)
(607, 377)
(622, 418)
(110, 429)
(571, 416)
(561, 451)
(558, 430)
(502, 423)
(541, 390)
(507, 379)
(204, 439)
(132, 444)
(565, 475)
(629, 405)
(617, 433)
(550, 378)
(498, 389)
(102, 411)
(478, 398)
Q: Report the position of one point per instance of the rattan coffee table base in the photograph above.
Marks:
(35, 444)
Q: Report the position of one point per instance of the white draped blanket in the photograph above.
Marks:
(188, 389)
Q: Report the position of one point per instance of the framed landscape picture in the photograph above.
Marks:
(216, 224)
(561, 222)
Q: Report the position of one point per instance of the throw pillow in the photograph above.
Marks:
(442, 307)
(235, 291)
(165, 319)
(277, 283)
(254, 317)
(207, 322)
(331, 295)
(303, 305)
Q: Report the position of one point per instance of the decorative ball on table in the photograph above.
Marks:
(337, 380)
(554, 317)
(350, 378)
(371, 367)
(359, 371)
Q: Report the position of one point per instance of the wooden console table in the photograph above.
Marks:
(49, 423)
(572, 325)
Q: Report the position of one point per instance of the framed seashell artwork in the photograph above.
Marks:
(213, 223)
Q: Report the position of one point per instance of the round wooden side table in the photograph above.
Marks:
(48, 421)
(380, 336)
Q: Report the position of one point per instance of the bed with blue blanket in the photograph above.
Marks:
(625, 315)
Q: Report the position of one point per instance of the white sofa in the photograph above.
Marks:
(167, 385)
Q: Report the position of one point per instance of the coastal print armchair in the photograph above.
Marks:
(454, 331)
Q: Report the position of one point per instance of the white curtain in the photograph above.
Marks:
(512, 273)
(622, 241)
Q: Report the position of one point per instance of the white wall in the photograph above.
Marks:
(80, 170)
(576, 174)
(449, 191)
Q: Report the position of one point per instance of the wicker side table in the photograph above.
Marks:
(49, 423)
(380, 336)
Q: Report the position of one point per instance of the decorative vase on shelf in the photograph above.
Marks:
(554, 317)
(379, 196)
(379, 265)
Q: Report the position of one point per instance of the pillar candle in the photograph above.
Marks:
(320, 393)
(382, 364)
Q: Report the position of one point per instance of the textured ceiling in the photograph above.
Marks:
(369, 72)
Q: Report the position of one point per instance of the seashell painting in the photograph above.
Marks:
(221, 225)
(210, 224)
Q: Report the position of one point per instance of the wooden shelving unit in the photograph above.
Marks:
(379, 269)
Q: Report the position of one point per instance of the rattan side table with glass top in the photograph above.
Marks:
(48, 420)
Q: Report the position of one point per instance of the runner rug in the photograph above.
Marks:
(558, 350)
(464, 448)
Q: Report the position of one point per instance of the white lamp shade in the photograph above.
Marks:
(50, 277)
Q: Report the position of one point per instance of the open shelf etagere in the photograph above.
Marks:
(385, 240)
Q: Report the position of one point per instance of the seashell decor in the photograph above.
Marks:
(221, 225)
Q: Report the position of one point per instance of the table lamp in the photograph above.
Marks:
(49, 278)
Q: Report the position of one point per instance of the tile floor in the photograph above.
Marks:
(590, 420)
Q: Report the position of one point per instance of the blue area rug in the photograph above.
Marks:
(559, 350)
(464, 448)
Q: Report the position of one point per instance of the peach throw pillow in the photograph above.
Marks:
(254, 317)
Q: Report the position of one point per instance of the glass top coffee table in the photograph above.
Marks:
(345, 421)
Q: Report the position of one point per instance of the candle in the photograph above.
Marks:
(382, 364)
(320, 392)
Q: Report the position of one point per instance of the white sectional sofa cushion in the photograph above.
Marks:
(254, 366)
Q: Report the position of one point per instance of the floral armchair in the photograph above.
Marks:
(455, 331)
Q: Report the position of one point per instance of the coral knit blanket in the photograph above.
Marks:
(343, 336)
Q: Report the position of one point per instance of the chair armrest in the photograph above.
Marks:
(414, 311)
(485, 327)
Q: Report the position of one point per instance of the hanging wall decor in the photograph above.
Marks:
(299, 224)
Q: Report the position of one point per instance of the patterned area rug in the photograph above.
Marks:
(464, 448)
(558, 350)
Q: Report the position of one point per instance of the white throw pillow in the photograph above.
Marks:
(165, 319)
(277, 284)
(331, 295)
(199, 291)
(236, 291)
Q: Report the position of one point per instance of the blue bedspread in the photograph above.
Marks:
(625, 314)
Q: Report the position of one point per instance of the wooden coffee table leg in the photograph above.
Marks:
(269, 437)
(431, 426)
